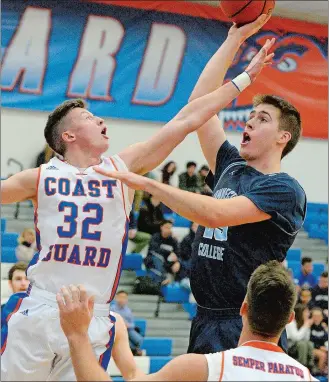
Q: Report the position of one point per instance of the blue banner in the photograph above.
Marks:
(127, 63)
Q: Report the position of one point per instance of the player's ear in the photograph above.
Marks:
(244, 308)
(10, 284)
(291, 317)
(284, 137)
(68, 136)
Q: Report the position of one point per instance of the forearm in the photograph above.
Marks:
(85, 364)
(214, 72)
(194, 207)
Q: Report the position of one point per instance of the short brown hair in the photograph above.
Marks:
(271, 297)
(20, 266)
(289, 119)
(52, 133)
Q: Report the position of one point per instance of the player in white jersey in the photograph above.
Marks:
(267, 308)
(81, 221)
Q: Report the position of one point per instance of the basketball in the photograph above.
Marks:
(245, 11)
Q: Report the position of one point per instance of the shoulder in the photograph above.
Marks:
(215, 363)
(282, 180)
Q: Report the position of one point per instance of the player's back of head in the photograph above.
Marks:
(271, 297)
(290, 119)
(52, 130)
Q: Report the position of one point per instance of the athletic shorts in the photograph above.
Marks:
(215, 331)
(33, 345)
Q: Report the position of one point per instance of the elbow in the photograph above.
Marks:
(215, 220)
(212, 222)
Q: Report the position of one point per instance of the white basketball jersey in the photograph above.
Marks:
(255, 361)
(81, 221)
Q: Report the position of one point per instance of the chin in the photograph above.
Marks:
(247, 156)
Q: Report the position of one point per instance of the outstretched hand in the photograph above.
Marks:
(134, 181)
(75, 310)
(261, 60)
(244, 32)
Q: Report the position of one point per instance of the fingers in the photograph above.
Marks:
(268, 58)
(109, 174)
(83, 294)
(60, 302)
(75, 293)
(66, 296)
(91, 303)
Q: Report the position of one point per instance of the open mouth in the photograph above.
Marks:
(245, 139)
(103, 132)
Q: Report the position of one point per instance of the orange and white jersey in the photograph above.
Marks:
(81, 222)
(255, 361)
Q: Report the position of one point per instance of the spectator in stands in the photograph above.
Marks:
(120, 306)
(305, 297)
(306, 277)
(202, 174)
(150, 216)
(319, 337)
(298, 332)
(162, 257)
(185, 251)
(140, 239)
(18, 283)
(188, 180)
(27, 245)
(320, 294)
(168, 171)
(44, 156)
(17, 278)
(140, 194)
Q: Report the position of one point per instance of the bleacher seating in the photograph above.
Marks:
(3, 225)
(157, 346)
(316, 221)
(157, 363)
(9, 239)
(294, 254)
(174, 293)
(141, 325)
(8, 255)
(133, 261)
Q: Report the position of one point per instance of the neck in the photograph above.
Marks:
(247, 335)
(82, 159)
(268, 164)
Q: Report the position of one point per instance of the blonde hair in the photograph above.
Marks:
(26, 230)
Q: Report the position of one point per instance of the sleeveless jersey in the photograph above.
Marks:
(255, 361)
(81, 223)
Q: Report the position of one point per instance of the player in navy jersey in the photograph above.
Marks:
(254, 215)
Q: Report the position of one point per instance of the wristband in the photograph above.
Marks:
(242, 81)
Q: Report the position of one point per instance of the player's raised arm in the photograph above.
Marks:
(203, 210)
(143, 157)
(187, 367)
(19, 187)
(211, 135)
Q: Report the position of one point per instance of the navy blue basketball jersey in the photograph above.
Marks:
(224, 258)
